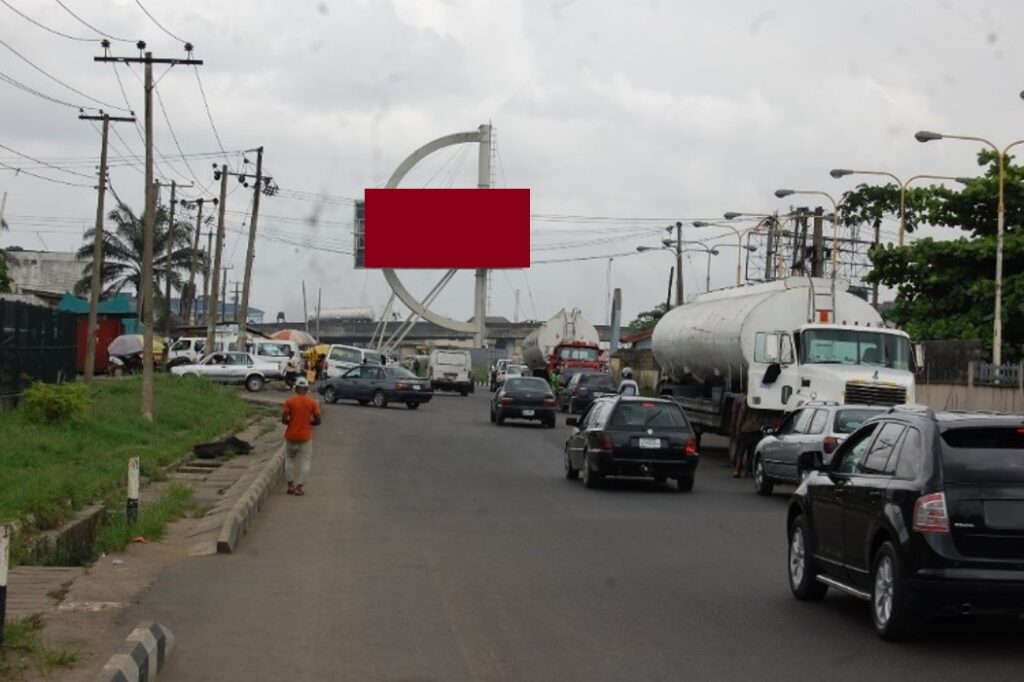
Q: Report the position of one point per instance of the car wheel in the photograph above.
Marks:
(660, 479)
(685, 483)
(571, 472)
(802, 572)
(591, 479)
(463, 393)
(379, 400)
(499, 418)
(330, 395)
(412, 405)
(890, 608)
(254, 383)
(762, 484)
(551, 423)
(572, 406)
(492, 415)
(364, 403)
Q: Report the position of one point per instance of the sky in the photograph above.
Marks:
(626, 116)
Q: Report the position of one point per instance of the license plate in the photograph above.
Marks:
(415, 387)
(650, 443)
(527, 413)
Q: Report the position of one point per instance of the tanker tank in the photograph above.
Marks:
(564, 327)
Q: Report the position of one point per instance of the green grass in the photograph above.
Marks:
(152, 521)
(23, 646)
(48, 472)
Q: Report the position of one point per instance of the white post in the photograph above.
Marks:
(480, 294)
(133, 490)
(5, 549)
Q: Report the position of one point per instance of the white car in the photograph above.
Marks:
(231, 368)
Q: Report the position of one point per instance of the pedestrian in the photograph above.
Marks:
(627, 386)
(301, 413)
(555, 376)
(416, 366)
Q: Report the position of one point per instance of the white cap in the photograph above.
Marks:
(301, 382)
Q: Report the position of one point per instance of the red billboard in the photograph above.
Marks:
(447, 228)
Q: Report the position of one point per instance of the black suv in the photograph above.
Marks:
(920, 513)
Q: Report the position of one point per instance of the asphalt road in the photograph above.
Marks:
(432, 545)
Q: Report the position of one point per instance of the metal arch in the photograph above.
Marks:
(389, 274)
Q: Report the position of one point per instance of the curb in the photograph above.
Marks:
(143, 654)
(245, 509)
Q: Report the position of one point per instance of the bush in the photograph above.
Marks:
(48, 404)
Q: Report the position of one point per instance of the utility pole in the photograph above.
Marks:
(818, 245)
(224, 294)
(168, 269)
(679, 263)
(96, 281)
(305, 309)
(211, 303)
(235, 301)
(147, 242)
(250, 252)
(319, 291)
(188, 298)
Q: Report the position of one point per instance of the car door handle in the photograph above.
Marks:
(875, 495)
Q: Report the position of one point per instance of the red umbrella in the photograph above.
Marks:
(297, 335)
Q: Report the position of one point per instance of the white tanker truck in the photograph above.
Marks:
(774, 347)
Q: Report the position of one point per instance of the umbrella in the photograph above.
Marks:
(130, 344)
(297, 335)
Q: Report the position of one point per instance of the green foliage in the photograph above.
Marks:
(117, 533)
(648, 318)
(5, 279)
(54, 404)
(23, 645)
(945, 289)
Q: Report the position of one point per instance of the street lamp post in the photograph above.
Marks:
(673, 246)
(739, 243)
(782, 193)
(781, 225)
(997, 323)
(903, 185)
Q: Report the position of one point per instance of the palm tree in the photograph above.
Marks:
(5, 279)
(122, 255)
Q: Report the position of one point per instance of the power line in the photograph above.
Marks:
(32, 91)
(174, 137)
(158, 24)
(90, 26)
(43, 177)
(43, 26)
(57, 80)
(209, 115)
(43, 163)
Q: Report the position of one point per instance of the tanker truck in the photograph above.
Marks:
(738, 359)
(566, 341)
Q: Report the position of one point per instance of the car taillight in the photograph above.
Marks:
(506, 401)
(830, 444)
(691, 446)
(607, 445)
(549, 401)
(401, 386)
(930, 514)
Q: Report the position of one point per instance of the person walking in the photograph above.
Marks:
(627, 386)
(301, 413)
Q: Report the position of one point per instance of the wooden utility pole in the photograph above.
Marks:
(818, 244)
(211, 307)
(208, 264)
(250, 252)
(188, 298)
(167, 264)
(96, 281)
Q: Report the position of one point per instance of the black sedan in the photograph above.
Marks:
(524, 398)
(378, 385)
(583, 388)
(632, 436)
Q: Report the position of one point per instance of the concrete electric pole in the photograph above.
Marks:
(250, 251)
(211, 303)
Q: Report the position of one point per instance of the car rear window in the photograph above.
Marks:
(978, 454)
(643, 414)
(527, 384)
(602, 381)
(848, 420)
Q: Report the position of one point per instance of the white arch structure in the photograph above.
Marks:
(421, 308)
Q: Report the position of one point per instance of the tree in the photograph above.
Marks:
(648, 318)
(5, 279)
(945, 289)
(122, 254)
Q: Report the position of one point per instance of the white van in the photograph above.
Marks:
(341, 358)
(451, 369)
(284, 354)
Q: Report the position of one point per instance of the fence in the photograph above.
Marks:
(36, 344)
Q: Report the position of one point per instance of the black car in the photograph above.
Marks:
(378, 385)
(524, 398)
(920, 513)
(583, 388)
(632, 436)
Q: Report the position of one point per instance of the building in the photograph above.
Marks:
(45, 274)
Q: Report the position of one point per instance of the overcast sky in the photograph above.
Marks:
(634, 114)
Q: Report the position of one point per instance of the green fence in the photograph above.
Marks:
(36, 343)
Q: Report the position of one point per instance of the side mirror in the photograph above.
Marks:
(772, 373)
(769, 431)
(572, 421)
(918, 358)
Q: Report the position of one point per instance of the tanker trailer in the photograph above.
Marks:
(566, 341)
(739, 359)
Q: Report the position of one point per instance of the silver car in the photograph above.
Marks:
(805, 440)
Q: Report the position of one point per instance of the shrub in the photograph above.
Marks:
(47, 404)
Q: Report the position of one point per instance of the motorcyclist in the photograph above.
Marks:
(627, 386)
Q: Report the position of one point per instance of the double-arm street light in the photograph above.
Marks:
(781, 224)
(997, 324)
(783, 193)
(739, 244)
(903, 185)
(673, 246)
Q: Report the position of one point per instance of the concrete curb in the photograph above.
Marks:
(143, 654)
(236, 523)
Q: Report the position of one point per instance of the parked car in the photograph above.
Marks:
(231, 367)
(378, 385)
(805, 440)
(524, 398)
(919, 513)
(285, 354)
(451, 369)
(341, 358)
(583, 388)
(632, 436)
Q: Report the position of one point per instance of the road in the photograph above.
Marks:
(434, 546)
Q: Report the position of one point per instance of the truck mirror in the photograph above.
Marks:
(918, 358)
(772, 373)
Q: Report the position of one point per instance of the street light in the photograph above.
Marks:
(782, 193)
(997, 324)
(693, 246)
(739, 242)
(843, 172)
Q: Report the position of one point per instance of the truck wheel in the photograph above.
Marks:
(254, 383)
(762, 484)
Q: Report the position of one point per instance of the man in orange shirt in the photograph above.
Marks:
(301, 413)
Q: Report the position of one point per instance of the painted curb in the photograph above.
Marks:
(245, 509)
(141, 657)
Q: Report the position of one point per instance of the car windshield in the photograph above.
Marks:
(273, 350)
(983, 454)
(847, 420)
(516, 370)
(648, 414)
(527, 384)
(855, 347)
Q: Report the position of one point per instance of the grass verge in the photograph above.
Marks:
(117, 533)
(49, 472)
(23, 648)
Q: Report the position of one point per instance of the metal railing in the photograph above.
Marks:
(996, 375)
